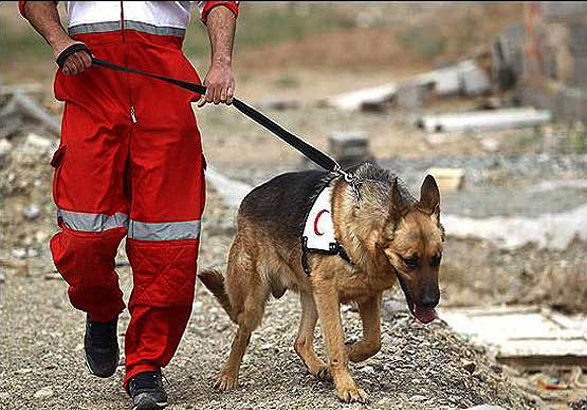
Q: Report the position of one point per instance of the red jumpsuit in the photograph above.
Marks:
(130, 164)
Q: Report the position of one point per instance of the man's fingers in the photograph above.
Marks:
(223, 94)
(79, 65)
(210, 93)
(217, 95)
(70, 65)
(229, 94)
(86, 59)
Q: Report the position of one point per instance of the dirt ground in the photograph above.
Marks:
(419, 367)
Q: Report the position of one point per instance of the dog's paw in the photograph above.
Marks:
(225, 382)
(353, 394)
(324, 374)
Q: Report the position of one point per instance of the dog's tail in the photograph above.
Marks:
(214, 281)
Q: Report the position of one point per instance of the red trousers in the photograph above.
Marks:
(130, 163)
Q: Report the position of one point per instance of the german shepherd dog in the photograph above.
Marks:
(387, 235)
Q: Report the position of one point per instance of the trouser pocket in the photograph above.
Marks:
(57, 163)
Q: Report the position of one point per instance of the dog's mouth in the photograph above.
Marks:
(423, 314)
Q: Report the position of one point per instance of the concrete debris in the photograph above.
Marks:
(490, 144)
(485, 120)
(465, 78)
(231, 191)
(413, 95)
(32, 212)
(448, 179)
(530, 337)
(366, 99)
(349, 148)
(21, 106)
(552, 231)
(19, 253)
(36, 144)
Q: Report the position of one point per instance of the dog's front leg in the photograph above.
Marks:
(327, 303)
(370, 311)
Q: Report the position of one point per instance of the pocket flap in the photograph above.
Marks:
(58, 156)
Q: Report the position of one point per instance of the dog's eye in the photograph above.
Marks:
(411, 262)
(435, 261)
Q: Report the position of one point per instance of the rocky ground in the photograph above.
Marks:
(419, 367)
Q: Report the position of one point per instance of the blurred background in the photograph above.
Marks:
(490, 98)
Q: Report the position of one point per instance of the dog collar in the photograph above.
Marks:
(318, 234)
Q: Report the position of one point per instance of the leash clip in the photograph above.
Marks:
(350, 179)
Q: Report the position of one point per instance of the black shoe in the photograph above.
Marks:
(101, 346)
(146, 391)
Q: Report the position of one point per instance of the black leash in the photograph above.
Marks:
(312, 153)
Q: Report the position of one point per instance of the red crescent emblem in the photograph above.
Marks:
(316, 231)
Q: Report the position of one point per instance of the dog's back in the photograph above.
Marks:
(281, 204)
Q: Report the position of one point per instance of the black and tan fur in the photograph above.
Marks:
(386, 232)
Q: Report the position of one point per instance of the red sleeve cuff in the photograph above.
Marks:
(21, 7)
(209, 5)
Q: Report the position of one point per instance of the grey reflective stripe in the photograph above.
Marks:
(128, 24)
(89, 222)
(164, 231)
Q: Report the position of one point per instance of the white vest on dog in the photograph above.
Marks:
(319, 228)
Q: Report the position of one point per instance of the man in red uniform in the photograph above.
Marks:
(130, 163)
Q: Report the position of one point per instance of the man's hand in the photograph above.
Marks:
(219, 80)
(44, 17)
(75, 63)
(219, 84)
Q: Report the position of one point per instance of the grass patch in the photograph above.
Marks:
(426, 44)
(266, 24)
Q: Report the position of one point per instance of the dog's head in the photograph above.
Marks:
(407, 236)
(412, 241)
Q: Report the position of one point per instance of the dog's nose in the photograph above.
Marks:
(430, 300)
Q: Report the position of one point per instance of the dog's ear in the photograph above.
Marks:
(398, 205)
(429, 196)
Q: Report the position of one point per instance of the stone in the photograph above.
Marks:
(19, 253)
(32, 212)
(44, 393)
(469, 366)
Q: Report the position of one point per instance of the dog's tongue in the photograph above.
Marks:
(423, 314)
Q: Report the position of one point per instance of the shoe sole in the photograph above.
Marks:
(97, 375)
(160, 405)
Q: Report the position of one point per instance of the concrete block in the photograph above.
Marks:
(414, 95)
(448, 179)
(349, 148)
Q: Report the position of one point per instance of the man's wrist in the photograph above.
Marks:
(223, 61)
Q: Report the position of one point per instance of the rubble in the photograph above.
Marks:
(484, 120)
(372, 98)
(448, 179)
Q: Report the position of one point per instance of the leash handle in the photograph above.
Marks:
(311, 152)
